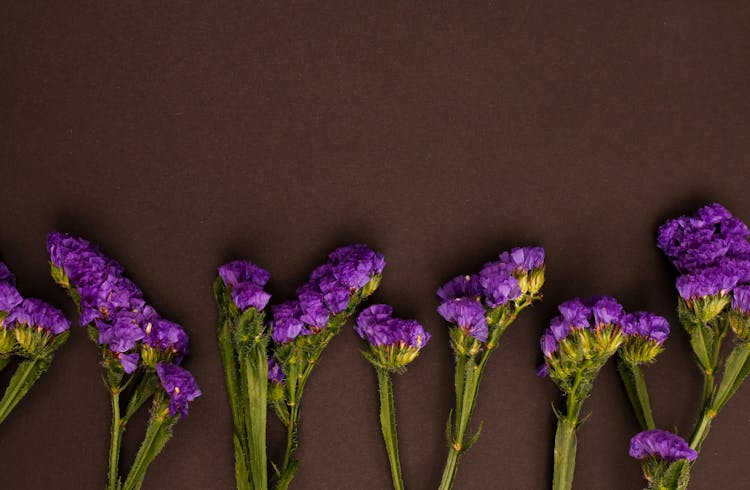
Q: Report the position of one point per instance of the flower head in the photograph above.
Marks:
(32, 312)
(468, 315)
(180, 385)
(393, 342)
(248, 295)
(353, 266)
(467, 286)
(523, 259)
(240, 271)
(646, 325)
(287, 322)
(662, 445)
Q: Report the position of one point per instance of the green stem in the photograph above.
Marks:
(115, 442)
(566, 445)
(27, 373)
(388, 425)
(465, 404)
(157, 434)
(701, 429)
(255, 366)
(635, 385)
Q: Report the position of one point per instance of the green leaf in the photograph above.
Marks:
(736, 369)
(145, 389)
(27, 373)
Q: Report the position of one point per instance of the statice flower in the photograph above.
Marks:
(468, 315)
(645, 334)
(287, 322)
(35, 313)
(6, 275)
(393, 342)
(180, 385)
(275, 373)
(662, 445)
(246, 281)
(468, 286)
(355, 265)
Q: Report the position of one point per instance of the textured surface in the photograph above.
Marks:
(180, 137)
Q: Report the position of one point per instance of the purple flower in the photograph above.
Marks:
(498, 290)
(275, 373)
(647, 325)
(376, 325)
(606, 311)
(336, 296)
(660, 444)
(523, 259)
(129, 362)
(468, 315)
(707, 282)
(179, 385)
(34, 312)
(559, 328)
(122, 332)
(575, 313)
(287, 322)
(248, 295)
(542, 370)
(461, 287)
(6, 275)
(315, 312)
(741, 299)
(9, 297)
(354, 265)
(165, 335)
(548, 343)
(242, 271)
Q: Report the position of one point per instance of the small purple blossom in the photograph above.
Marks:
(34, 312)
(180, 385)
(120, 334)
(468, 315)
(9, 297)
(287, 322)
(548, 343)
(741, 299)
(353, 266)
(129, 362)
(646, 325)
(523, 259)
(6, 275)
(498, 290)
(248, 295)
(242, 271)
(606, 311)
(275, 373)
(315, 311)
(660, 444)
(707, 282)
(164, 335)
(467, 286)
(376, 325)
(575, 313)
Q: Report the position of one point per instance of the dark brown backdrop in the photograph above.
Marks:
(180, 137)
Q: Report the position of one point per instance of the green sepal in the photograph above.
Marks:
(635, 387)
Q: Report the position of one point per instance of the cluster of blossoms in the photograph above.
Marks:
(28, 327)
(246, 281)
(587, 332)
(128, 330)
(711, 250)
(393, 342)
(351, 272)
(662, 445)
(468, 302)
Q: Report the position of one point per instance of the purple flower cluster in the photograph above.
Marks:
(581, 314)
(328, 292)
(114, 304)
(710, 249)
(35, 313)
(662, 445)
(246, 281)
(377, 326)
(180, 385)
(465, 299)
(646, 325)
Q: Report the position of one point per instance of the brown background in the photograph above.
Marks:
(181, 136)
